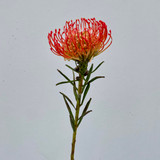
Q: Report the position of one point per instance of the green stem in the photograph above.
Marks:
(80, 84)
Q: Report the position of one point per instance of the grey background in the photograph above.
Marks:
(125, 122)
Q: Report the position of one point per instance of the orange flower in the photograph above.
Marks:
(80, 40)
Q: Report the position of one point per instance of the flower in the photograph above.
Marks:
(80, 40)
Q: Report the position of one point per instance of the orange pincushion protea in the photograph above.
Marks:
(80, 40)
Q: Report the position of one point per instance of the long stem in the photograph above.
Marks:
(80, 83)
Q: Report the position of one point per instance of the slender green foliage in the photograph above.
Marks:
(73, 69)
(80, 91)
(98, 66)
(67, 99)
(75, 88)
(64, 82)
(70, 114)
(97, 77)
(77, 93)
(85, 112)
(88, 76)
(65, 76)
(85, 93)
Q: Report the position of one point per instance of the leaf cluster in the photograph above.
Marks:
(81, 97)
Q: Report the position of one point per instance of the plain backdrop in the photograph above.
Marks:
(125, 122)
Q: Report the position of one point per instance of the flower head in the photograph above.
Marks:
(80, 40)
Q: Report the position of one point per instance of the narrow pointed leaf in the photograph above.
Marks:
(88, 76)
(84, 111)
(87, 112)
(70, 113)
(80, 119)
(87, 105)
(68, 107)
(65, 76)
(74, 87)
(64, 82)
(98, 66)
(84, 114)
(97, 77)
(84, 78)
(85, 92)
(72, 122)
(71, 68)
(89, 73)
(67, 99)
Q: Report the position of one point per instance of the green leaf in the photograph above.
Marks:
(80, 119)
(65, 76)
(70, 114)
(85, 112)
(72, 122)
(97, 77)
(64, 82)
(98, 66)
(67, 99)
(74, 87)
(87, 105)
(71, 68)
(88, 76)
(89, 73)
(85, 92)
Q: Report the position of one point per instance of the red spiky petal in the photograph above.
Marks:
(80, 40)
